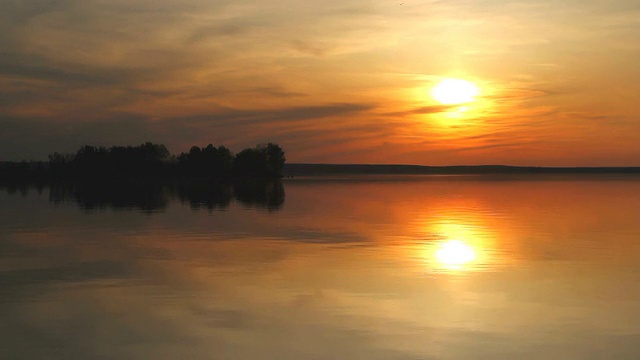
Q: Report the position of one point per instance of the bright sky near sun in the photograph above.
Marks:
(547, 82)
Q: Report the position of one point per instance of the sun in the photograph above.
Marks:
(455, 91)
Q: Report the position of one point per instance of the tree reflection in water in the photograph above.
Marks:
(149, 196)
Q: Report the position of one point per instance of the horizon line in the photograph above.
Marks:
(469, 165)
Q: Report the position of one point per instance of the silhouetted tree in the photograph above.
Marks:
(151, 152)
(90, 161)
(57, 158)
(263, 161)
(118, 161)
(213, 162)
(275, 159)
(249, 163)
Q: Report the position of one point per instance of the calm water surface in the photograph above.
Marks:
(400, 268)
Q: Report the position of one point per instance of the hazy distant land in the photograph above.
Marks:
(293, 170)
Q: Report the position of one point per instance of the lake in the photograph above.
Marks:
(437, 267)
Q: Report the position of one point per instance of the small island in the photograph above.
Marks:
(146, 176)
(150, 161)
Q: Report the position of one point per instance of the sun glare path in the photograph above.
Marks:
(455, 91)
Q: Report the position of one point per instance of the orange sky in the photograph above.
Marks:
(338, 81)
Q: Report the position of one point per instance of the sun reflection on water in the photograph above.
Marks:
(458, 248)
(455, 254)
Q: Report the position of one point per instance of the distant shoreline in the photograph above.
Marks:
(303, 169)
(42, 172)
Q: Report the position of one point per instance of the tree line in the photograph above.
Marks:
(265, 161)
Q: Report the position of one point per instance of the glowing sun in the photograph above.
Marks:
(455, 91)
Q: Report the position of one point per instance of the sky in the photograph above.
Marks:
(346, 81)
